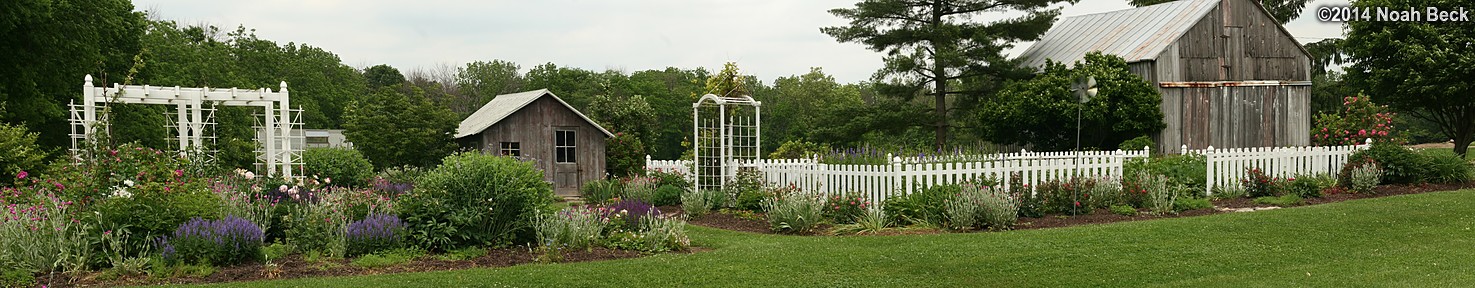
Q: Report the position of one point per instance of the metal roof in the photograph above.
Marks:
(504, 105)
(1134, 34)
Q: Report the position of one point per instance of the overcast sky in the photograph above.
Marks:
(767, 38)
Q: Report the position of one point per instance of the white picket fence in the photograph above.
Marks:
(904, 176)
(1228, 166)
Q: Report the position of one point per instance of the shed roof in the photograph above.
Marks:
(504, 105)
(1134, 34)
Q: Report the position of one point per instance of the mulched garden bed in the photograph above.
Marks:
(294, 266)
(1099, 216)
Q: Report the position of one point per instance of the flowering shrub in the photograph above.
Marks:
(1030, 204)
(669, 177)
(639, 188)
(218, 242)
(794, 213)
(1359, 120)
(318, 226)
(377, 232)
(845, 209)
(1064, 197)
(628, 214)
(242, 198)
(37, 233)
(1257, 184)
(384, 186)
(661, 233)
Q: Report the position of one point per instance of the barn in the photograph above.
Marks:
(1229, 74)
(539, 127)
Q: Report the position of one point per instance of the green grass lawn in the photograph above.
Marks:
(1423, 240)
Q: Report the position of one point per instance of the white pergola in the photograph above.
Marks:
(275, 137)
(725, 142)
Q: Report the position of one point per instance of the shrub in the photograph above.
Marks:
(963, 210)
(317, 227)
(982, 206)
(1062, 197)
(1190, 203)
(873, 220)
(752, 200)
(1230, 191)
(217, 242)
(18, 151)
(1257, 184)
(1124, 210)
(625, 155)
(628, 214)
(1000, 208)
(1446, 167)
(669, 178)
(1309, 186)
(1136, 144)
(600, 191)
(1105, 192)
(1282, 201)
(795, 213)
(667, 195)
(1364, 178)
(639, 188)
(473, 199)
(844, 209)
(407, 175)
(1399, 164)
(794, 149)
(346, 166)
(573, 227)
(377, 232)
(747, 180)
(659, 235)
(1189, 170)
(1030, 205)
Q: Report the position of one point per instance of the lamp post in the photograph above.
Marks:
(1084, 89)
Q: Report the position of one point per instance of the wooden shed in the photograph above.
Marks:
(539, 127)
(1229, 74)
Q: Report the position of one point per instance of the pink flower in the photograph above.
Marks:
(178, 173)
(22, 175)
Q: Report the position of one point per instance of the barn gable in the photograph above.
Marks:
(504, 105)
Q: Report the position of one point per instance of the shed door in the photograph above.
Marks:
(566, 170)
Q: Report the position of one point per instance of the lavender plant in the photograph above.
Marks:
(377, 232)
(1365, 177)
(628, 214)
(219, 242)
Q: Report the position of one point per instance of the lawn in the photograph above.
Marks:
(1422, 240)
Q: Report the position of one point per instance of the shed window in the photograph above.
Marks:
(511, 149)
(318, 140)
(563, 146)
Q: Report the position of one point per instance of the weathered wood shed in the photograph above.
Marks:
(537, 126)
(1230, 75)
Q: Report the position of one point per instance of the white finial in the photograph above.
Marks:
(284, 85)
(88, 79)
(1369, 141)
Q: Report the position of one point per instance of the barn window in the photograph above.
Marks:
(511, 149)
(563, 146)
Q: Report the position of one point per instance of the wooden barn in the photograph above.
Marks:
(1230, 76)
(537, 126)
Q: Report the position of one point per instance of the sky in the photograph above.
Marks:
(767, 38)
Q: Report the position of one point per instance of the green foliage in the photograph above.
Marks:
(573, 227)
(1189, 170)
(394, 128)
(794, 213)
(382, 75)
(462, 254)
(981, 206)
(698, 202)
(1191, 203)
(1043, 111)
(1400, 165)
(346, 166)
(317, 227)
(1359, 120)
(798, 150)
(1124, 210)
(922, 206)
(1161, 193)
(475, 200)
(1407, 81)
(277, 251)
(18, 151)
(1064, 196)
(1258, 184)
(1446, 167)
(625, 114)
(1363, 178)
(624, 155)
(1287, 200)
(17, 279)
(480, 81)
(657, 234)
(37, 234)
(601, 191)
(753, 200)
(1309, 186)
(1136, 144)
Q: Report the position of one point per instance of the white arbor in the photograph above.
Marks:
(195, 117)
(726, 138)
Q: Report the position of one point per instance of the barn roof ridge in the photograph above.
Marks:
(1135, 34)
(504, 105)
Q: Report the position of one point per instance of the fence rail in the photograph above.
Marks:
(1227, 166)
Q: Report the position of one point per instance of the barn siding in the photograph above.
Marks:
(532, 127)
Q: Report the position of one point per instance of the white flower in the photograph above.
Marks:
(327, 180)
(120, 192)
(282, 189)
(249, 175)
(129, 183)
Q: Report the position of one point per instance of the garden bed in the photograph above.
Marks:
(728, 221)
(295, 266)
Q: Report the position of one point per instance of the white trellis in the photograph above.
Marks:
(193, 117)
(724, 142)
